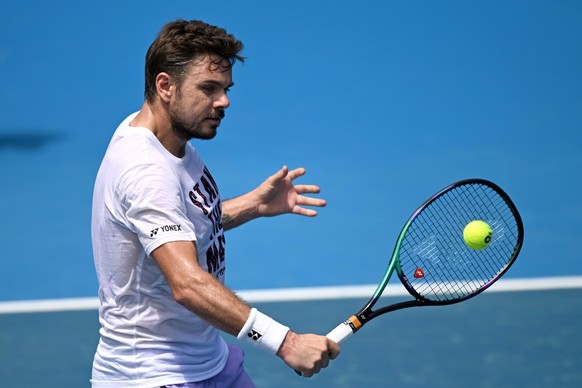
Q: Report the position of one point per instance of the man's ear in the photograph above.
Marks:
(165, 86)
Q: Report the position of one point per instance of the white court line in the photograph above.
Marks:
(297, 294)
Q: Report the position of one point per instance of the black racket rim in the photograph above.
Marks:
(514, 255)
(367, 312)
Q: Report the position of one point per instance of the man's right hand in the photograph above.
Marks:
(307, 353)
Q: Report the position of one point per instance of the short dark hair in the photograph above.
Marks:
(181, 41)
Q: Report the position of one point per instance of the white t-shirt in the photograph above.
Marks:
(145, 197)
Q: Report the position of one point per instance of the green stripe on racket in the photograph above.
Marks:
(432, 258)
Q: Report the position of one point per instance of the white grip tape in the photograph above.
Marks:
(341, 332)
(263, 331)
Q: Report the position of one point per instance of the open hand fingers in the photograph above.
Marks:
(308, 201)
(307, 189)
(296, 173)
(302, 200)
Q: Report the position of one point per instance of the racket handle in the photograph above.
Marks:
(341, 332)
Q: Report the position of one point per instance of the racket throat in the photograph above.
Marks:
(354, 323)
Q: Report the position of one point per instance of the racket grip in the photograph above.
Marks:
(341, 332)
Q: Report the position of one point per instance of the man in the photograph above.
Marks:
(158, 232)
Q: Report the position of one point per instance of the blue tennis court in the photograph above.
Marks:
(505, 339)
(383, 103)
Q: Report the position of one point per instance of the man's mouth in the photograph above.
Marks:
(217, 116)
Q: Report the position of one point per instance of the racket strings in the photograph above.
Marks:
(435, 261)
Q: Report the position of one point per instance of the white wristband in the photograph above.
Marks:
(263, 331)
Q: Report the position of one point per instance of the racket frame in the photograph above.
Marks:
(367, 313)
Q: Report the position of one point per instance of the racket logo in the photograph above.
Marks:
(419, 273)
(254, 335)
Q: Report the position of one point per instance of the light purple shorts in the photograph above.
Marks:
(233, 374)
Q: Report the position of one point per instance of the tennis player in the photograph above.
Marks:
(158, 232)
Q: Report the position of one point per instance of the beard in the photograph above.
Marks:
(202, 130)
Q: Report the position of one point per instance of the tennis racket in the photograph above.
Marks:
(431, 258)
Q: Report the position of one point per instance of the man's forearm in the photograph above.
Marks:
(197, 290)
(214, 303)
(237, 211)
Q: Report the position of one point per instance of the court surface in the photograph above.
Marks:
(384, 103)
(505, 339)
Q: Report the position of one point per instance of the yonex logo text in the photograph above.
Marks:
(166, 228)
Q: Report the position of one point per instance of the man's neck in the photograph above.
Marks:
(158, 121)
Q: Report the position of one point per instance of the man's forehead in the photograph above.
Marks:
(212, 63)
(208, 69)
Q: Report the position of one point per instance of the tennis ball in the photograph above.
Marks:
(477, 234)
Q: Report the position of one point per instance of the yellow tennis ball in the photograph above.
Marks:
(477, 234)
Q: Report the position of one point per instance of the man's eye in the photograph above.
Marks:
(211, 89)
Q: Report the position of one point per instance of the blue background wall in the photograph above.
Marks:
(384, 102)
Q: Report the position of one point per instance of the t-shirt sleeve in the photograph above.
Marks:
(152, 199)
